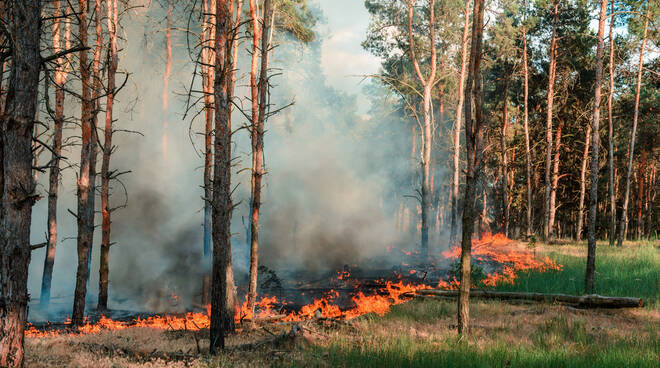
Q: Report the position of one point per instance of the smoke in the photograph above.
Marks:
(332, 185)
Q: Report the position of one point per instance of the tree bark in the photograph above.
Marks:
(427, 83)
(474, 148)
(61, 72)
(631, 148)
(458, 125)
(85, 215)
(528, 158)
(610, 133)
(555, 178)
(547, 231)
(17, 186)
(593, 195)
(104, 268)
(505, 163)
(259, 101)
(223, 293)
(583, 184)
(208, 76)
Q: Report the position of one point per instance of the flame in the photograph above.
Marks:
(497, 248)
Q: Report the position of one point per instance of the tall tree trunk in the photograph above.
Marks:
(428, 119)
(223, 293)
(458, 124)
(85, 215)
(259, 95)
(528, 158)
(593, 195)
(631, 148)
(168, 72)
(641, 175)
(610, 133)
(208, 76)
(547, 231)
(61, 72)
(583, 184)
(104, 269)
(17, 186)
(555, 178)
(474, 148)
(505, 163)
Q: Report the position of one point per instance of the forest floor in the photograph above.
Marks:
(422, 333)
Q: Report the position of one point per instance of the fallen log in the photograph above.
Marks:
(582, 301)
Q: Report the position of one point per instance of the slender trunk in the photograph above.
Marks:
(458, 124)
(528, 158)
(223, 293)
(641, 175)
(58, 120)
(168, 71)
(426, 192)
(555, 178)
(505, 163)
(474, 148)
(259, 94)
(583, 184)
(631, 148)
(85, 215)
(17, 186)
(208, 76)
(104, 268)
(547, 231)
(610, 133)
(593, 195)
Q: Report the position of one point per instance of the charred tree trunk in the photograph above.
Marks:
(528, 158)
(223, 293)
(428, 83)
(17, 186)
(631, 148)
(458, 125)
(610, 133)
(60, 79)
(474, 148)
(583, 184)
(104, 269)
(85, 215)
(547, 231)
(593, 195)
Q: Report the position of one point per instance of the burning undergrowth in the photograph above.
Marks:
(346, 293)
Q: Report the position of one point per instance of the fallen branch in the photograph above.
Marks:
(583, 301)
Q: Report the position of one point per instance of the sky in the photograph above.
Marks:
(343, 58)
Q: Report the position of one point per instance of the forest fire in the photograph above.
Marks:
(503, 255)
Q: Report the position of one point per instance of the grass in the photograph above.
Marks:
(629, 271)
(422, 333)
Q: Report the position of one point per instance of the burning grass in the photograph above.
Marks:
(418, 333)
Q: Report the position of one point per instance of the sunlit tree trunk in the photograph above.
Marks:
(474, 148)
(593, 195)
(555, 178)
(610, 132)
(85, 215)
(631, 148)
(17, 186)
(547, 231)
(104, 269)
(61, 72)
(428, 119)
(505, 163)
(583, 184)
(528, 158)
(459, 123)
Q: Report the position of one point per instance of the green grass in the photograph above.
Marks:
(631, 271)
